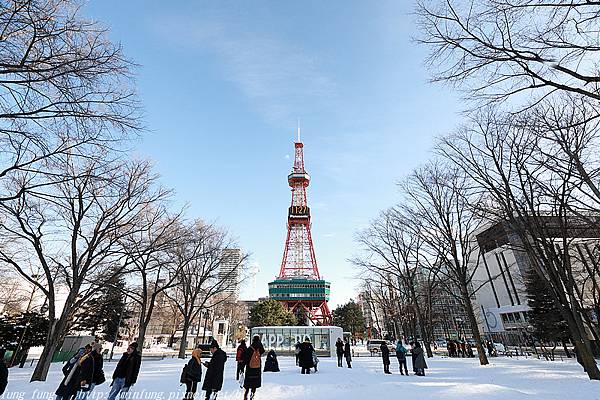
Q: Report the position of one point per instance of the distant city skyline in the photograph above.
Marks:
(223, 85)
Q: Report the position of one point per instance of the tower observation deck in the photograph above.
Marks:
(299, 285)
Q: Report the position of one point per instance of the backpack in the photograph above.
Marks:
(254, 359)
(183, 378)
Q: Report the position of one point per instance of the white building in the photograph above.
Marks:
(502, 266)
(229, 271)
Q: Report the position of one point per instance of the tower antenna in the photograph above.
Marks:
(298, 130)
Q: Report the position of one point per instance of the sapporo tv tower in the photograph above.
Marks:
(299, 286)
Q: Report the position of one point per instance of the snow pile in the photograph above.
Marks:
(447, 378)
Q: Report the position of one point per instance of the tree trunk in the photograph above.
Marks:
(142, 330)
(567, 352)
(586, 358)
(474, 326)
(54, 340)
(422, 324)
(581, 342)
(184, 335)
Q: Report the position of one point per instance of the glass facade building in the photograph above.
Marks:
(283, 339)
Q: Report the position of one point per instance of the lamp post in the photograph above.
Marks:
(206, 315)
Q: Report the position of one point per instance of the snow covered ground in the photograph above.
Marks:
(504, 379)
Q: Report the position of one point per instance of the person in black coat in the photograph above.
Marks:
(91, 372)
(385, 357)
(213, 380)
(192, 374)
(252, 377)
(347, 353)
(126, 372)
(271, 363)
(70, 383)
(3, 372)
(305, 356)
(339, 351)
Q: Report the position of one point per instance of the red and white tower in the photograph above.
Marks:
(299, 285)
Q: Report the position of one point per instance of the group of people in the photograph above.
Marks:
(342, 350)
(249, 364)
(85, 370)
(459, 349)
(417, 354)
(191, 374)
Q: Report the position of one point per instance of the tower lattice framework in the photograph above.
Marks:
(299, 285)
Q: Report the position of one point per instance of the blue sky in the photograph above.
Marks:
(223, 84)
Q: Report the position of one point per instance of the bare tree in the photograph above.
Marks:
(501, 48)
(64, 88)
(208, 266)
(438, 198)
(503, 156)
(394, 252)
(148, 253)
(70, 231)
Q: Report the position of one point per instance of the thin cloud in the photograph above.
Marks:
(278, 77)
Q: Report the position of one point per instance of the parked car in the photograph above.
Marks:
(499, 347)
(373, 346)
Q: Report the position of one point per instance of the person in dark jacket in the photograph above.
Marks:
(91, 373)
(339, 351)
(192, 374)
(70, 383)
(347, 353)
(385, 357)
(126, 372)
(297, 352)
(418, 357)
(213, 380)
(252, 360)
(3, 372)
(271, 363)
(305, 356)
(239, 358)
(401, 356)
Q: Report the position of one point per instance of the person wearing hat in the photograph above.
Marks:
(3, 372)
(213, 381)
(305, 356)
(126, 372)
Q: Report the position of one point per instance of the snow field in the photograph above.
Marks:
(447, 378)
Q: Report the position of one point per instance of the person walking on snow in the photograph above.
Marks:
(252, 360)
(70, 383)
(401, 356)
(91, 374)
(213, 380)
(239, 358)
(192, 374)
(385, 357)
(418, 356)
(305, 356)
(347, 353)
(339, 351)
(126, 372)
